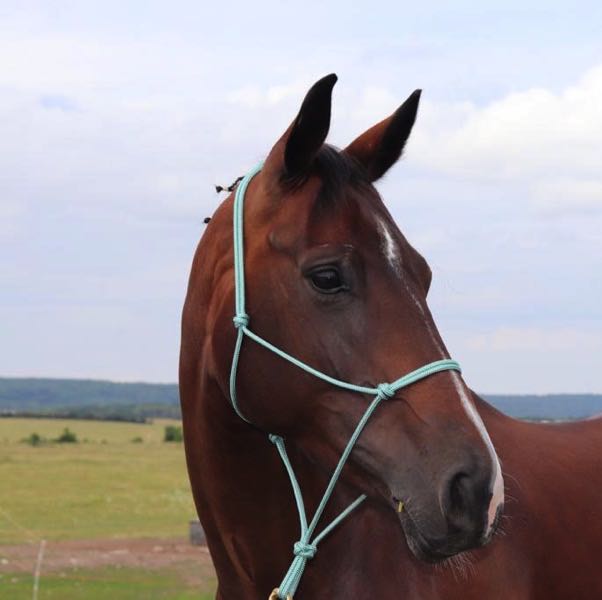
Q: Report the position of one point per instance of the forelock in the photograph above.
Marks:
(337, 171)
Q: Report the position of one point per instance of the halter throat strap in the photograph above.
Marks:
(306, 547)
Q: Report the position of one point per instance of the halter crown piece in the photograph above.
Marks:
(306, 547)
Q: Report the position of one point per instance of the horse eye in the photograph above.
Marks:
(327, 280)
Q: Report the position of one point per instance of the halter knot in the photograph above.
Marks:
(274, 438)
(385, 390)
(304, 550)
(241, 320)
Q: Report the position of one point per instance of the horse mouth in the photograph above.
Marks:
(418, 545)
(441, 549)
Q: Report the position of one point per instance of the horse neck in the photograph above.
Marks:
(251, 521)
(244, 496)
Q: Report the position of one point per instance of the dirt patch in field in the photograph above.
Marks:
(194, 561)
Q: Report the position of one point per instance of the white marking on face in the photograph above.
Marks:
(389, 247)
(421, 311)
(497, 497)
(391, 252)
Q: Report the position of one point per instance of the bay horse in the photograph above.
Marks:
(333, 282)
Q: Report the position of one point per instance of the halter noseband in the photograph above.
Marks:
(306, 548)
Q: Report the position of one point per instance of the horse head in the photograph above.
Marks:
(333, 282)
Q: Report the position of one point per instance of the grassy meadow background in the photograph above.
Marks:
(114, 507)
(120, 481)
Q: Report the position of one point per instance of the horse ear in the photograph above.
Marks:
(379, 148)
(296, 149)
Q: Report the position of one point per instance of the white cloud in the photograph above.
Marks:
(112, 134)
(521, 134)
(568, 196)
(550, 142)
(370, 105)
(255, 96)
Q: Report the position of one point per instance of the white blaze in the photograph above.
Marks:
(392, 254)
(497, 498)
(389, 247)
(497, 492)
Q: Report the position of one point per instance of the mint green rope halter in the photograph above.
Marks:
(305, 549)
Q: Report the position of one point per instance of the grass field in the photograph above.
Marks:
(105, 486)
(100, 584)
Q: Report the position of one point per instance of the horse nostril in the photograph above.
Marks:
(465, 501)
(459, 490)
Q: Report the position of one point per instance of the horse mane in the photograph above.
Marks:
(338, 171)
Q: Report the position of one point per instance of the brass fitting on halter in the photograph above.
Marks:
(274, 595)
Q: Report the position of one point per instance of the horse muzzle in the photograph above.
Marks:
(455, 521)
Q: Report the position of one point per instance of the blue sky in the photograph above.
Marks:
(116, 119)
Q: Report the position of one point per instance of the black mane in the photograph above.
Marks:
(337, 170)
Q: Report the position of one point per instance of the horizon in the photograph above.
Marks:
(175, 383)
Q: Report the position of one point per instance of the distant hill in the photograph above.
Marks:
(40, 394)
(548, 406)
(106, 399)
(89, 399)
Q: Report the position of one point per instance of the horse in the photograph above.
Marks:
(460, 500)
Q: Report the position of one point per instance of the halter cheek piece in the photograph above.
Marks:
(305, 549)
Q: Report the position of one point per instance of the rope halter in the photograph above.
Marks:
(306, 548)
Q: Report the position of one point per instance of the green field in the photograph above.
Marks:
(100, 584)
(106, 486)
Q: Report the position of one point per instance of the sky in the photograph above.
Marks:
(117, 118)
